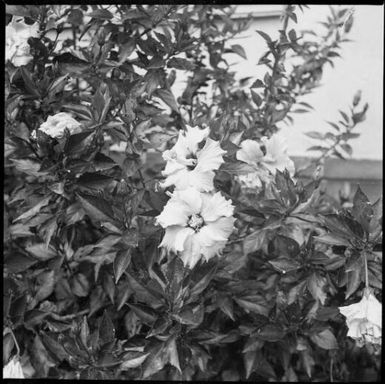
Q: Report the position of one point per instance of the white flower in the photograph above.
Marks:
(13, 370)
(17, 48)
(275, 158)
(276, 155)
(197, 224)
(56, 124)
(192, 160)
(364, 319)
(250, 180)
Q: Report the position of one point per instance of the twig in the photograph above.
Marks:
(69, 317)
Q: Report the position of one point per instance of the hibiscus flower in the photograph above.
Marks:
(13, 370)
(265, 157)
(364, 319)
(17, 33)
(197, 224)
(55, 125)
(192, 160)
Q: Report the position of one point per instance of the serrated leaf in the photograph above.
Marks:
(182, 64)
(362, 209)
(142, 293)
(34, 210)
(316, 285)
(54, 347)
(315, 135)
(345, 116)
(101, 14)
(249, 360)
(285, 265)
(354, 279)
(18, 263)
(80, 285)
(270, 332)
(121, 262)
(106, 329)
(41, 252)
(254, 241)
(46, 284)
(256, 98)
(325, 339)
(168, 98)
(146, 314)
(133, 360)
(172, 353)
(155, 361)
(239, 50)
(97, 208)
(258, 84)
(84, 332)
(93, 181)
(28, 81)
(331, 239)
(317, 148)
(249, 304)
(265, 36)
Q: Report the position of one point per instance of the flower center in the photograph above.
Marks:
(195, 222)
(193, 159)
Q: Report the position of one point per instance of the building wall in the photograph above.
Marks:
(361, 67)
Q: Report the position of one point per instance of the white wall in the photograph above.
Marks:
(361, 67)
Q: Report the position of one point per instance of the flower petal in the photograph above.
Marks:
(174, 213)
(192, 252)
(374, 311)
(175, 238)
(250, 152)
(210, 156)
(194, 136)
(191, 198)
(353, 311)
(215, 206)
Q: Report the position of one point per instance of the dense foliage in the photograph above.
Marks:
(88, 292)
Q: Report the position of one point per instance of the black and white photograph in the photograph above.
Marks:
(193, 192)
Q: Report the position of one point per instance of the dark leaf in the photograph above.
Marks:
(101, 14)
(325, 339)
(239, 50)
(106, 329)
(121, 262)
(97, 208)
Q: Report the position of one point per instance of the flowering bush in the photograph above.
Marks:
(148, 236)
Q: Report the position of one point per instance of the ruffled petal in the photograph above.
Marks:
(191, 198)
(13, 370)
(192, 253)
(216, 231)
(181, 237)
(355, 328)
(276, 155)
(280, 164)
(174, 213)
(250, 152)
(374, 310)
(210, 156)
(215, 206)
(170, 236)
(250, 180)
(172, 166)
(213, 250)
(194, 136)
(353, 311)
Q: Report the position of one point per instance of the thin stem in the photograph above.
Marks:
(366, 270)
(331, 370)
(16, 343)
